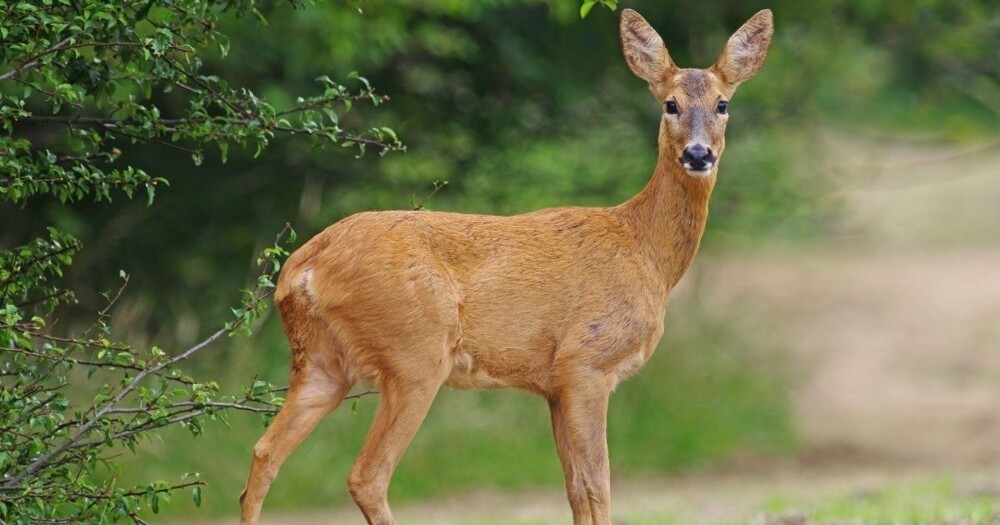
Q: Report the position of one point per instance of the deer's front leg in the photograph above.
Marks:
(584, 405)
(575, 488)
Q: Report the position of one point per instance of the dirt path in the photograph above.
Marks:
(895, 326)
(709, 498)
(896, 356)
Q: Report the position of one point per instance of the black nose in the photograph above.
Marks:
(697, 157)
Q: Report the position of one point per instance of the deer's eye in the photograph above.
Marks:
(671, 107)
(722, 107)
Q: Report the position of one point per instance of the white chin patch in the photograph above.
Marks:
(702, 173)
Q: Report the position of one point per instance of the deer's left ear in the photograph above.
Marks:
(746, 50)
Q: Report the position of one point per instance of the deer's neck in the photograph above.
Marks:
(669, 214)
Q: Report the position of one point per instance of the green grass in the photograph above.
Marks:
(709, 392)
(931, 501)
(937, 501)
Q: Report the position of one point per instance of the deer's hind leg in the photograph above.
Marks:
(317, 386)
(411, 370)
(401, 411)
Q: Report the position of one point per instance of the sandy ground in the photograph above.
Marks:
(893, 329)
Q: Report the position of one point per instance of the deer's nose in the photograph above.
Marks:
(697, 157)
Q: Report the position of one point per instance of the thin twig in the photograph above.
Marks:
(194, 78)
(94, 343)
(45, 297)
(103, 314)
(364, 95)
(438, 184)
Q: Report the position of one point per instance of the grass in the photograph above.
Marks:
(935, 500)
(710, 391)
(938, 501)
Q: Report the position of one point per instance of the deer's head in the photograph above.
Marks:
(695, 101)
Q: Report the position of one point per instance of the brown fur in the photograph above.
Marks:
(564, 302)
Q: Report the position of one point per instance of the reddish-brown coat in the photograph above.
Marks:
(564, 302)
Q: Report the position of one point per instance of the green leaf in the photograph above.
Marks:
(586, 7)
(143, 12)
(196, 495)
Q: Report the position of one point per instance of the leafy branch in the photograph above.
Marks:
(110, 87)
(140, 392)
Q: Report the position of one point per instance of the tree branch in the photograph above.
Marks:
(34, 60)
(74, 441)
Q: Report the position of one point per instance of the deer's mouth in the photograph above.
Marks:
(699, 167)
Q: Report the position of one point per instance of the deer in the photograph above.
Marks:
(562, 302)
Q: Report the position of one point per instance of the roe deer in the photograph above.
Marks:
(563, 302)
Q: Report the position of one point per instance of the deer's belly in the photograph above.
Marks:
(466, 375)
(499, 367)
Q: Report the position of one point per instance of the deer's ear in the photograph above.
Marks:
(746, 50)
(644, 50)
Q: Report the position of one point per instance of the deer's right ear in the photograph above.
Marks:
(645, 53)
